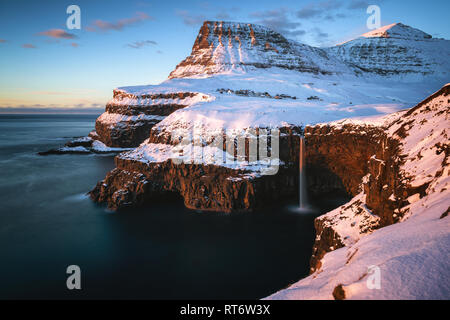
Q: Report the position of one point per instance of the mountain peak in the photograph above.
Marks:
(398, 31)
(223, 47)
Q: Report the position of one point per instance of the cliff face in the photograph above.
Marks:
(409, 155)
(205, 187)
(128, 118)
(362, 160)
(338, 157)
(225, 46)
(391, 240)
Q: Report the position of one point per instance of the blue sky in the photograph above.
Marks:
(44, 65)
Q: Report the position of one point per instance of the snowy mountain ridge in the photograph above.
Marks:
(229, 47)
(396, 50)
(399, 31)
(224, 47)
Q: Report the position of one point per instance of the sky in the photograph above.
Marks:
(46, 67)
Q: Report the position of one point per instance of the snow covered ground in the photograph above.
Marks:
(411, 258)
(317, 99)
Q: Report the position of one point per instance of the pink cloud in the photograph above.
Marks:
(101, 25)
(58, 34)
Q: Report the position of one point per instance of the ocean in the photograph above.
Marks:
(164, 251)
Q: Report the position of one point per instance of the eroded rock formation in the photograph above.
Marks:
(399, 172)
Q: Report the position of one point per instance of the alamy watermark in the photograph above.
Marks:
(74, 280)
(374, 279)
(374, 20)
(258, 147)
(74, 20)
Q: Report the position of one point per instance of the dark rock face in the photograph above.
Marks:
(124, 134)
(337, 158)
(327, 241)
(352, 152)
(135, 116)
(206, 188)
(339, 292)
(203, 187)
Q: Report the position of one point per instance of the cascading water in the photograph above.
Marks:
(302, 183)
(303, 206)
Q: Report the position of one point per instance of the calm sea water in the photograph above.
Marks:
(164, 251)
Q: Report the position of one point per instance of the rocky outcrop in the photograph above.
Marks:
(128, 118)
(358, 159)
(390, 179)
(83, 145)
(203, 187)
(337, 156)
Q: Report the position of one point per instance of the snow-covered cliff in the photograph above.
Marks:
(412, 249)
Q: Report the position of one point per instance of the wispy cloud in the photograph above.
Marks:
(279, 20)
(358, 4)
(319, 9)
(102, 26)
(190, 19)
(320, 35)
(208, 12)
(29, 46)
(141, 44)
(308, 12)
(57, 33)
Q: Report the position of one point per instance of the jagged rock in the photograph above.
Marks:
(203, 187)
(388, 189)
(128, 118)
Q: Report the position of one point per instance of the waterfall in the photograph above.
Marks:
(301, 181)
